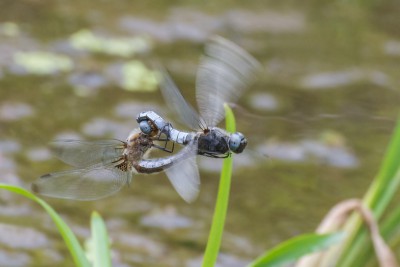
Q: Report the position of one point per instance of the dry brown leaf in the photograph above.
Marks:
(336, 218)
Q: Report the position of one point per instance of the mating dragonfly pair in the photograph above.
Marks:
(104, 167)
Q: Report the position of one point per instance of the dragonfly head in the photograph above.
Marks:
(237, 142)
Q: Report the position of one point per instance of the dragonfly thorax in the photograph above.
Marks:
(213, 143)
(137, 146)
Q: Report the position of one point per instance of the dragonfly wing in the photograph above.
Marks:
(184, 175)
(176, 102)
(82, 184)
(225, 71)
(81, 154)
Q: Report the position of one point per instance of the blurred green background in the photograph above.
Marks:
(318, 119)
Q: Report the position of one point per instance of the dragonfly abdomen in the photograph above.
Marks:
(179, 137)
(153, 165)
(161, 164)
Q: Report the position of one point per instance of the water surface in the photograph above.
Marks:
(322, 112)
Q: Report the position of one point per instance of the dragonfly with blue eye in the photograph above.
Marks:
(212, 142)
(102, 168)
(225, 72)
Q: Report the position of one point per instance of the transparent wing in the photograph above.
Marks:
(176, 102)
(82, 184)
(225, 71)
(184, 175)
(81, 154)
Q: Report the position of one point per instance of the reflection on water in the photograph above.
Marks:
(38, 154)
(22, 237)
(224, 260)
(334, 154)
(263, 101)
(166, 219)
(86, 82)
(344, 78)
(342, 64)
(392, 48)
(15, 258)
(105, 127)
(15, 111)
(194, 25)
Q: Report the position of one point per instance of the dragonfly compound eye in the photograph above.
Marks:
(145, 127)
(237, 142)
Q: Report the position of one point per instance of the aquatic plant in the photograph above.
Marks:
(43, 63)
(87, 40)
(355, 251)
(221, 206)
(70, 239)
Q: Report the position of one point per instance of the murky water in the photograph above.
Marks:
(322, 113)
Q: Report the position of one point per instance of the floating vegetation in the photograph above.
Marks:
(43, 63)
(392, 48)
(137, 77)
(123, 47)
(9, 29)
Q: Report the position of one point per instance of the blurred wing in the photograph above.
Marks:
(184, 175)
(176, 102)
(81, 154)
(82, 184)
(225, 71)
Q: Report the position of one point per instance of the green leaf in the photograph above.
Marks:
(385, 186)
(293, 249)
(100, 242)
(390, 230)
(69, 238)
(221, 207)
(378, 197)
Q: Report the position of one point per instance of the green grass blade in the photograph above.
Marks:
(293, 249)
(221, 207)
(390, 227)
(384, 186)
(230, 123)
(70, 240)
(378, 197)
(390, 231)
(100, 242)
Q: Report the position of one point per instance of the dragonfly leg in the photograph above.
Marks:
(164, 130)
(215, 155)
(164, 148)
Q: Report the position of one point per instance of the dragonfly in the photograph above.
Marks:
(102, 168)
(225, 72)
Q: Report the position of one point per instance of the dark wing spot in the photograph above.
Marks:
(123, 166)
